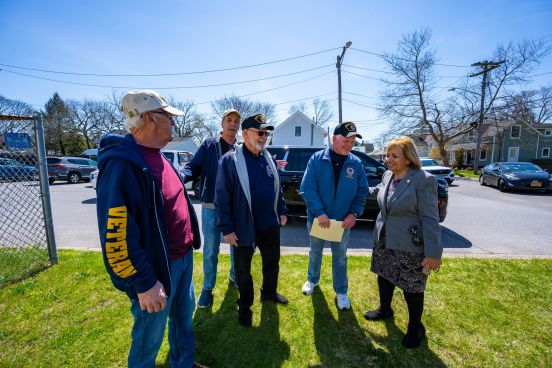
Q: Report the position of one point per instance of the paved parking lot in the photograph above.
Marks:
(499, 224)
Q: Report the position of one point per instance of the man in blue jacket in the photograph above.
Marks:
(205, 165)
(148, 229)
(339, 198)
(250, 208)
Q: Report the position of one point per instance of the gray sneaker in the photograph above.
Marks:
(205, 299)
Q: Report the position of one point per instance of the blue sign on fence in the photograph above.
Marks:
(18, 140)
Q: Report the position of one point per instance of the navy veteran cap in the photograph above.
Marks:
(347, 129)
(256, 121)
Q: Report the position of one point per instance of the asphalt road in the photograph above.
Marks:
(496, 224)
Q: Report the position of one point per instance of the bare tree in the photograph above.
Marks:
(410, 99)
(533, 106)
(301, 106)
(15, 107)
(245, 107)
(87, 117)
(321, 110)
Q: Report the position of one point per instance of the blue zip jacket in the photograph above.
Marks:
(205, 164)
(131, 220)
(232, 201)
(318, 189)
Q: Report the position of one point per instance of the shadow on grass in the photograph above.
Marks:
(222, 342)
(342, 342)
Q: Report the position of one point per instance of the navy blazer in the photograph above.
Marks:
(413, 203)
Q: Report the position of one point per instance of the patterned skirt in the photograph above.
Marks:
(403, 269)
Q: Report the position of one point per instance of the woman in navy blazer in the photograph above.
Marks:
(407, 197)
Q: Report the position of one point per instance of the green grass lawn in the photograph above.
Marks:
(468, 173)
(478, 313)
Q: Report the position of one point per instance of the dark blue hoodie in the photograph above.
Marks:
(131, 220)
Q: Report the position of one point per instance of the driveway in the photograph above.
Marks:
(496, 224)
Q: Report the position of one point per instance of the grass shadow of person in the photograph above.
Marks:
(222, 342)
(206, 324)
(340, 342)
(397, 355)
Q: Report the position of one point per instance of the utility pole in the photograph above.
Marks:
(338, 66)
(486, 67)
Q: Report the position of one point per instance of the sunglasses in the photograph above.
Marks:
(261, 133)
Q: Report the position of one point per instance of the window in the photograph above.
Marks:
(169, 156)
(545, 152)
(184, 158)
(483, 155)
(297, 131)
(78, 161)
(515, 131)
(471, 133)
(548, 132)
(92, 163)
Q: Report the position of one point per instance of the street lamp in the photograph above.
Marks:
(338, 66)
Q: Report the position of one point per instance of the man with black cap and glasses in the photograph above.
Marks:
(334, 187)
(250, 209)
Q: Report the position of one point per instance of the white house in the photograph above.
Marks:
(298, 130)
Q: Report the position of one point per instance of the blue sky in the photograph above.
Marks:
(146, 37)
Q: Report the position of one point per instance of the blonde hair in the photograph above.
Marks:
(408, 149)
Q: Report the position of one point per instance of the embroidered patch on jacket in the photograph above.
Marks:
(350, 172)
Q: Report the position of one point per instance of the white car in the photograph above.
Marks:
(94, 178)
(435, 169)
(178, 158)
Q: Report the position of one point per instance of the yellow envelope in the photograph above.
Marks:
(334, 233)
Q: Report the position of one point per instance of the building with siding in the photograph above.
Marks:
(298, 130)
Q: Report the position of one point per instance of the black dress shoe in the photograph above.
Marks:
(378, 314)
(245, 316)
(276, 298)
(414, 336)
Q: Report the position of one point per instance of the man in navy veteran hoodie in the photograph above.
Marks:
(148, 229)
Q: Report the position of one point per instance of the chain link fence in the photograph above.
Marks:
(27, 242)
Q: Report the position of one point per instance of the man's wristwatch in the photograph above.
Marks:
(354, 214)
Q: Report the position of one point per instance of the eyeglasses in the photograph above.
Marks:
(261, 133)
(163, 113)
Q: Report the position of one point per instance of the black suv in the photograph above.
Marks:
(292, 175)
(70, 169)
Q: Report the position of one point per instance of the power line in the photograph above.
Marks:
(275, 88)
(398, 58)
(171, 74)
(166, 88)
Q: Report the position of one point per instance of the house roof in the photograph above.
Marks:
(298, 115)
(542, 126)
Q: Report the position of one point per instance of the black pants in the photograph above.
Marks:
(268, 242)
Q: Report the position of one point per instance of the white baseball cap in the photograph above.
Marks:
(135, 103)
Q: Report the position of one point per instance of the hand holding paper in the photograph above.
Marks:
(333, 233)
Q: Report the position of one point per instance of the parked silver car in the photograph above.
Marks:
(70, 169)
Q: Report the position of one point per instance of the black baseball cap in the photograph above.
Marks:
(256, 121)
(347, 129)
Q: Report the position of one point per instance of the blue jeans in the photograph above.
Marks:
(211, 248)
(339, 261)
(149, 328)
